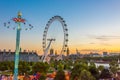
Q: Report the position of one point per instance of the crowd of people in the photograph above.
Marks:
(23, 77)
(20, 77)
(6, 77)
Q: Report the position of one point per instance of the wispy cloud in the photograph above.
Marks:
(92, 43)
(103, 37)
(101, 43)
(91, 50)
(105, 44)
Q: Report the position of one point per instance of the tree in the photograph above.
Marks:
(100, 68)
(3, 66)
(94, 71)
(76, 71)
(10, 66)
(42, 68)
(60, 66)
(68, 65)
(86, 75)
(23, 67)
(114, 66)
(105, 74)
(42, 77)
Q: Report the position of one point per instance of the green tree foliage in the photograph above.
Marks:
(94, 71)
(42, 77)
(10, 65)
(23, 67)
(42, 68)
(60, 66)
(77, 69)
(114, 66)
(100, 68)
(105, 74)
(7, 65)
(75, 72)
(86, 75)
(68, 65)
(3, 66)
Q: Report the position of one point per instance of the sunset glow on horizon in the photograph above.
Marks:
(93, 25)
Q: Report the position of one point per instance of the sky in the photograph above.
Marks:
(93, 25)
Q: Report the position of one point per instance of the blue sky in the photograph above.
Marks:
(92, 24)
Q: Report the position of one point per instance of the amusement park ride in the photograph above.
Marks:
(65, 41)
(18, 22)
(44, 57)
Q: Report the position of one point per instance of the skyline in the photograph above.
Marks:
(93, 25)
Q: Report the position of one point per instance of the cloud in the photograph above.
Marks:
(91, 50)
(92, 43)
(94, 50)
(103, 37)
(105, 44)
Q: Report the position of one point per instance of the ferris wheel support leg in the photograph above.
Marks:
(46, 51)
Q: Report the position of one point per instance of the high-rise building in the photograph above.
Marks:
(68, 52)
(55, 52)
(51, 51)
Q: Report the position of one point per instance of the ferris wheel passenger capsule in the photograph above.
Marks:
(8, 22)
(64, 50)
(14, 28)
(26, 29)
(5, 24)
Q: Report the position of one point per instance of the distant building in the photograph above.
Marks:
(51, 51)
(68, 52)
(94, 55)
(23, 56)
(105, 54)
(77, 52)
(55, 53)
(114, 54)
(74, 56)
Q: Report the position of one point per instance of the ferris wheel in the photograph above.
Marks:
(65, 31)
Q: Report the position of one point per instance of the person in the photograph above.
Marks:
(0, 77)
(3, 77)
(11, 77)
(34, 78)
(26, 77)
(38, 75)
